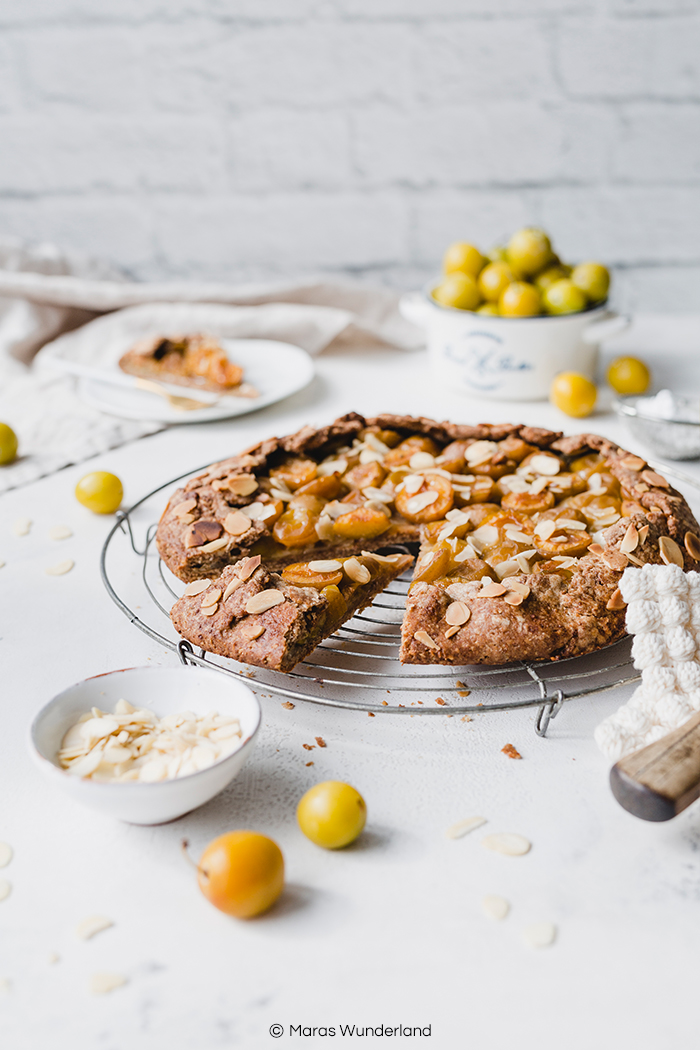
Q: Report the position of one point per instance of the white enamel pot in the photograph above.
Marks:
(508, 358)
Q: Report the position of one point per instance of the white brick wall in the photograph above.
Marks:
(244, 138)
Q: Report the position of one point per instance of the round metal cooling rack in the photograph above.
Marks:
(357, 667)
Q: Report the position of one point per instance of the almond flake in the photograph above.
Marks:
(670, 551)
(491, 590)
(324, 528)
(241, 484)
(452, 631)
(412, 484)
(523, 563)
(233, 586)
(545, 529)
(616, 601)
(93, 925)
(517, 586)
(211, 598)
(513, 598)
(263, 601)
(418, 503)
(480, 452)
(486, 535)
(356, 571)
(596, 548)
(652, 478)
(632, 463)
(457, 614)
(544, 464)
(372, 441)
(60, 532)
(424, 638)
(22, 526)
(370, 455)
(185, 507)
(571, 524)
(507, 843)
(520, 537)
(196, 587)
(614, 560)
(5, 854)
(495, 907)
(565, 562)
(539, 485)
(236, 523)
(421, 460)
(540, 934)
(644, 532)
(640, 488)
(463, 827)
(630, 540)
(691, 543)
(209, 610)
(511, 567)
(384, 559)
(103, 982)
(186, 519)
(215, 545)
(247, 566)
(61, 568)
(251, 631)
(332, 565)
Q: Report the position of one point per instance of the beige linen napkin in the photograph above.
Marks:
(87, 318)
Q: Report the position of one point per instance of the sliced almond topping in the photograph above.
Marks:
(251, 631)
(93, 925)
(635, 560)
(211, 598)
(513, 598)
(246, 567)
(61, 568)
(241, 484)
(643, 533)
(640, 488)
(236, 523)
(485, 534)
(480, 452)
(209, 610)
(516, 585)
(332, 565)
(615, 560)
(507, 843)
(202, 532)
(196, 587)
(539, 485)
(457, 614)
(384, 559)
(233, 586)
(324, 528)
(523, 563)
(520, 537)
(630, 540)
(670, 551)
(452, 631)
(424, 638)
(652, 478)
(421, 460)
(186, 519)
(418, 503)
(185, 507)
(263, 601)
(544, 464)
(692, 545)
(491, 590)
(215, 545)
(616, 600)
(596, 548)
(511, 567)
(632, 462)
(545, 529)
(356, 571)
(463, 827)
(571, 524)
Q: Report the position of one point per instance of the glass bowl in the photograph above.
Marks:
(667, 437)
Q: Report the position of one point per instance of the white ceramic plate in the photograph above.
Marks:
(275, 369)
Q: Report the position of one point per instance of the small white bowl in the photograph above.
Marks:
(165, 690)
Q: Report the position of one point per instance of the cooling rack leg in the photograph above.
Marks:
(547, 712)
(183, 649)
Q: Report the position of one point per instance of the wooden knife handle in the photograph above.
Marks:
(660, 780)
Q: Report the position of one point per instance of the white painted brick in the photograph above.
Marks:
(483, 217)
(287, 149)
(70, 152)
(10, 96)
(672, 289)
(97, 70)
(501, 143)
(482, 60)
(291, 233)
(658, 143)
(460, 8)
(621, 58)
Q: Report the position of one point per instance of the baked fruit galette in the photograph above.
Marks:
(522, 536)
(187, 360)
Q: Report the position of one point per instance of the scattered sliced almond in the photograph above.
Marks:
(463, 827)
(507, 843)
(5, 889)
(540, 934)
(209, 610)
(596, 548)
(640, 488)
(635, 560)
(544, 464)
(233, 586)
(5, 854)
(251, 631)
(457, 614)
(616, 601)
(236, 523)
(61, 568)
(215, 545)
(93, 925)
(630, 540)
(246, 567)
(495, 907)
(186, 519)
(513, 598)
(480, 452)
(491, 590)
(184, 508)
(652, 478)
(332, 565)
(452, 631)
(211, 598)
(670, 551)
(411, 484)
(518, 586)
(104, 982)
(263, 601)
(643, 533)
(60, 532)
(22, 526)
(421, 460)
(324, 528)
(632, 463)
(691, 543)
(424, 638)
(614, 560)
(539, 485)
(356, 571)
(571, 524)
(517, 536)
(196, 587)
(418, 503)
(384, 559)
(241, 484)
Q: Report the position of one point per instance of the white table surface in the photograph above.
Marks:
(389, 931)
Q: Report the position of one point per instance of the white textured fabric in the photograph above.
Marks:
(45, 295)
(663, 614)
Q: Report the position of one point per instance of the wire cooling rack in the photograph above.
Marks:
(358, 666)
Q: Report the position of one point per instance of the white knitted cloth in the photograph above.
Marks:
(663, 614)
